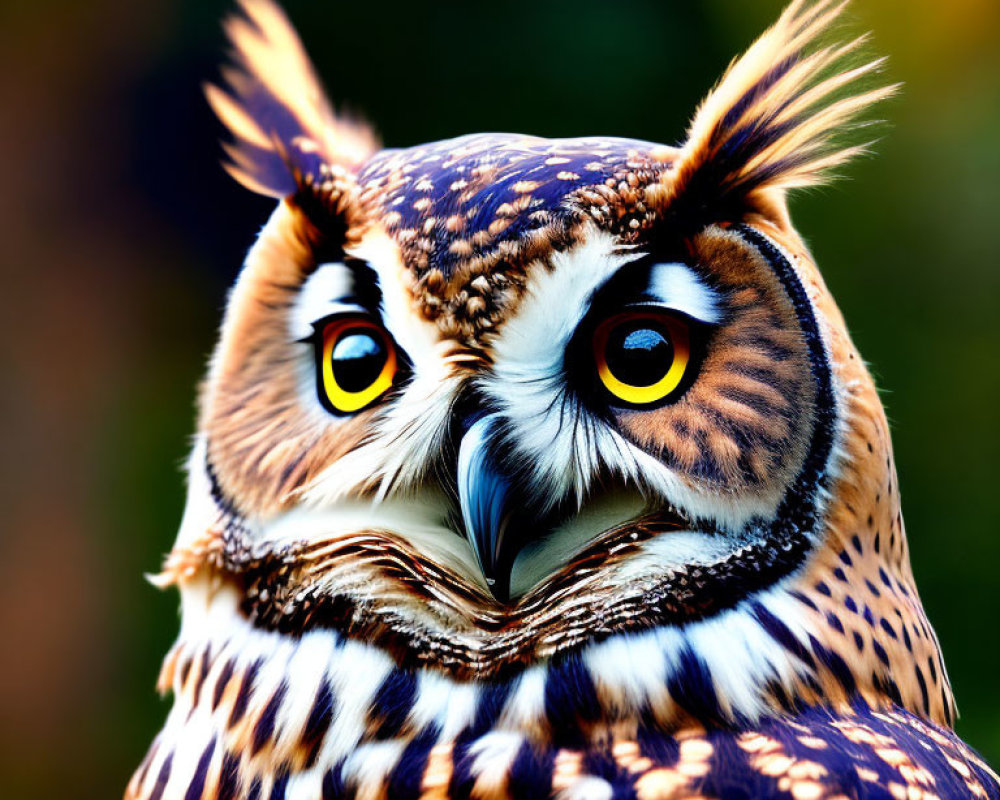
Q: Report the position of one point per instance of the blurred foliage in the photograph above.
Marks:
(121, 235)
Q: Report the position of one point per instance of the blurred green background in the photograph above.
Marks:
(120, 236)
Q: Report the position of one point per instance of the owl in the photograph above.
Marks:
(534, 468)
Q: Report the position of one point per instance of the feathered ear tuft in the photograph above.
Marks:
(286, 134)
(778, 117)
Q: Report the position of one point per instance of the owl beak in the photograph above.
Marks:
(484, 495)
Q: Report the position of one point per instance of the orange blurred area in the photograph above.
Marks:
(120, 235)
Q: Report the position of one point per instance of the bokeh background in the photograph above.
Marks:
(119, 235)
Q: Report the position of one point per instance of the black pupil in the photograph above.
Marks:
(357, 360)
(638, 355)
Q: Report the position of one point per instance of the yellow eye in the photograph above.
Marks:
(642, 355)
(357, 364)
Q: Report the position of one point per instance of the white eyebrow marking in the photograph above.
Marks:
(323, 294)
(677, 287)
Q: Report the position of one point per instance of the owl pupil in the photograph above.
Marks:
(639, 356)
(357, 361)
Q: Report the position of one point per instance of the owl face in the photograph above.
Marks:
(490, 400)
(522, 412)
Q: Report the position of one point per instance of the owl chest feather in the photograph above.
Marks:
(261, 714)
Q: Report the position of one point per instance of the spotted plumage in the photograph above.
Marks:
(532, 468)
(470, 213)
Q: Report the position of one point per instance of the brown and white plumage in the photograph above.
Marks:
(546, 467)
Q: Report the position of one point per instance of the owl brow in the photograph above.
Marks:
(678, 287)
(336, 287)
(671, 285)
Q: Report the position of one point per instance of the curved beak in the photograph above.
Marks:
(484, 493)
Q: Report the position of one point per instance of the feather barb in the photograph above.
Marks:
(779, 116)
(285, 132)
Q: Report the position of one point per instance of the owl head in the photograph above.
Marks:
(502, 404)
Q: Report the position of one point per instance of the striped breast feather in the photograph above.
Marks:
(285, 132)
(785, 115)
(819, 754)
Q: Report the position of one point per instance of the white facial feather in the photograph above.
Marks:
(528, 381)
(322, 295)
(200, 510)
(677, 287)
(420, 338)
(407, 434)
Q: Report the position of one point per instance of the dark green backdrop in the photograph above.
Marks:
(120, 235)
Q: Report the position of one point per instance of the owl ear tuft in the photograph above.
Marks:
(783, 116)
(286, 135)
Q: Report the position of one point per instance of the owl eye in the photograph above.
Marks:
(357, 364)
(642, 356)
